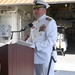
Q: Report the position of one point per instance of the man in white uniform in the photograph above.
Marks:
(43, 35)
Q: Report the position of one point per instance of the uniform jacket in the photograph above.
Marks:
(43, 35)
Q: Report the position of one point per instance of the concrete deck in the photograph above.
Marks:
(65, 65)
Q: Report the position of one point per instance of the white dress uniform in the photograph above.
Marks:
(43, 35)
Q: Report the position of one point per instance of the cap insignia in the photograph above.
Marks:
(35, 2)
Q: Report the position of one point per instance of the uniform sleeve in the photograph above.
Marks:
(51, 36)
(29, 40)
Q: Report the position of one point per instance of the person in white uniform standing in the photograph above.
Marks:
(43, 35)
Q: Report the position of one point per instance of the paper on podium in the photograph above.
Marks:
(2, 44)
(29, 44)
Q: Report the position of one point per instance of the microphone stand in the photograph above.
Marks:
(17, 32)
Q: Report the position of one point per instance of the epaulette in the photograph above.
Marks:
(47, 18)
(34, 20)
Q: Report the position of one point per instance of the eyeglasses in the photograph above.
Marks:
(36, 8)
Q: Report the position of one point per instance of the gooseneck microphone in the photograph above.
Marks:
(28, 26)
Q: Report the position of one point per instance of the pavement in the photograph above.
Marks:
(64, 73)
(65, 65)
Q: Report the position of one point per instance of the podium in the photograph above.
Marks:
(16, 59)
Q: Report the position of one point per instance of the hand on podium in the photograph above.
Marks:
(29, 44)
(32, 45)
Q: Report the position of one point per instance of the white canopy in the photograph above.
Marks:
(10, 2)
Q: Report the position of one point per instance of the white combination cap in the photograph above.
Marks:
(38, 2)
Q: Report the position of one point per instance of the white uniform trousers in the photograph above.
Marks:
(42, 69)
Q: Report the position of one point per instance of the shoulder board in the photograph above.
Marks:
(47, 18)
(34, 21)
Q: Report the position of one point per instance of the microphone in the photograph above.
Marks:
(28, 26)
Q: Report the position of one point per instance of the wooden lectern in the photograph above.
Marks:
(16, 59)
